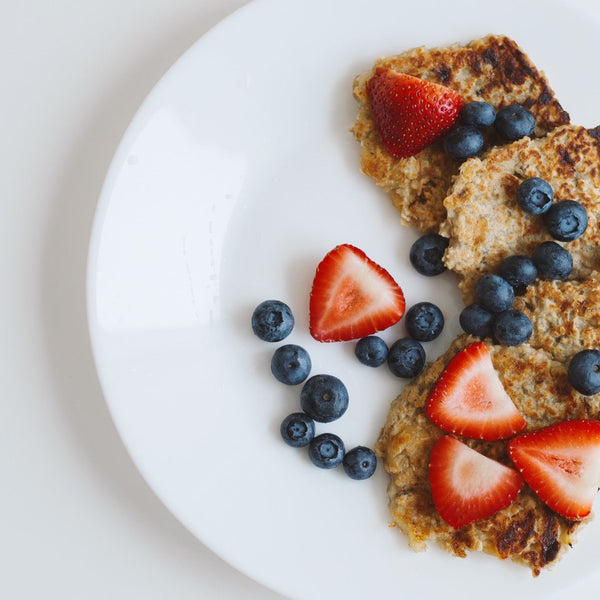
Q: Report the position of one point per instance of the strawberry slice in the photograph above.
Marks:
(467, 486)
(410, 113)
(352, 297)
(561, 463)
(469, 400)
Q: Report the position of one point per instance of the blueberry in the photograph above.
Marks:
(535, 195)
(406, 358)
(297, 430)
(566, 220)
(463, 142)
(371, 351)
(424, 321)
(552, 261)
(512, 327)
(272, 321)
(478, 114)
(494, 292)
(514, 122)
(326, 451)
(584, 372)
(290, 364)
(519, 271)
(324, 398)
(427, 252)
(476, 320)
(359, 463)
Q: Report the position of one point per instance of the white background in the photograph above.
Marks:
(77, 520)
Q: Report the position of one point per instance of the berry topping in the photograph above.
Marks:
(406, 358)
(566, 220)
(512, 327)
(359, 463)
(352, 297)
(476, 320)
(494, 292)
(478, 113)
(371, 351)
(297, 430)
(561, 463)
(467, 486)
(272, 321)
(427, 253)
(290, 364)
(324, 398)
(410, 113)
(424, 321)
(535, 195)
(519, 271)
(463, 142)
(326, 451)
(514, 122)
(584, 372)
(552, 261)
(468, 399)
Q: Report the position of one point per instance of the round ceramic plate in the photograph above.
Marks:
(235, 178)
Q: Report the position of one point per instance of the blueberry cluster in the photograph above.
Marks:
(466, 140)
(323, 398)
(424, 322)
(492, 314)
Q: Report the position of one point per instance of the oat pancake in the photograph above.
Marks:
(484, 222)
(526, 531)
(565, 315)
(493, 69)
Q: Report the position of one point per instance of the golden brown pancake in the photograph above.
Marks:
(493, 69)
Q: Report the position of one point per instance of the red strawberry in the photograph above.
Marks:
(410, 113)
(561, 463)
(352, 297)
(467, 486)
(469, 399)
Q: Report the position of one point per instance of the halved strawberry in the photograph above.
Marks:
(410, 113)
(561, 463)
(469, 400)
(352, 297)
(467, 486)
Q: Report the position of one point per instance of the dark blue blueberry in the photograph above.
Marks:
(463, 142)
(326, 451)
(584, 372)
(552, 261)
(359, 463)
(519, 271)
(297, 430)
(476, 320)
(324, 398)
(566, 220)
(514, 122)
(272, 320)
(290, 364)
(371, 351)
(512, 327)
(406, 358)
(427, 252)
(478, 114)
(424, 321)
(494, 292)
(535, 195)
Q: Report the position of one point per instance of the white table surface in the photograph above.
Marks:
(78, 521)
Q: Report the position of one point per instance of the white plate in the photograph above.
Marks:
(236, 176)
